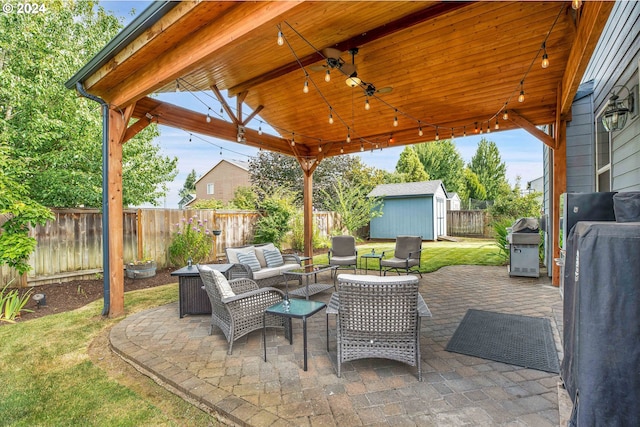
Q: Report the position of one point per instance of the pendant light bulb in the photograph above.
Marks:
(521, 97)
(395, 119)
(481, 131)
(545, 60)
(505, 116)
(280, 38)
(420, 133)
(348, 137)
(575, 4)
(453, 136)
(177, 86)
(367, 106)
(209, 115)
(330, 117)
(437, 135)
(305, 88)
(464, 131)
(260, 130)
(327, 76)
(320, 148)
(361, 147)
(476, 129)
(497, 124)
(488, 127)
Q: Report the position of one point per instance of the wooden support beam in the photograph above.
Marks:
(531, 128)
(593, 17)
(185, 57)
(308, 211)
(559, 184)
(117, 130)
(225, 105)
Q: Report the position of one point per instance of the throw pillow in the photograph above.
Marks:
(223, 284)
(273, 257)
(249, 259)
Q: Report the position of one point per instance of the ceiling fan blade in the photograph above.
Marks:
(385, 89)
(318, 67)
(330, 52)
(348, 69)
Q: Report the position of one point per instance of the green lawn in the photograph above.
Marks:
(48, 378)
(439, 254)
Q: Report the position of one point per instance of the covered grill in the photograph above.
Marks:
(524, 240)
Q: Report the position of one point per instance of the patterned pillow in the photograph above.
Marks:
(250, 259)
(223, 284)
(273, 257)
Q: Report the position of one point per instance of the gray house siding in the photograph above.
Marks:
(416, 214)
(580, 140)
(615, 63)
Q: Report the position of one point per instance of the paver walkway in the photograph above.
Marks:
(457, 390)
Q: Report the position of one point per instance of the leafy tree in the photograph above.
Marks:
(409, 166)
(20, 212)
(277, 210)
(189, 186)
(353, 205)
(55, 134)
(268, 171)
(490, 169)
(471, 187)
(208, 204)
(514, 205)
(441, 160)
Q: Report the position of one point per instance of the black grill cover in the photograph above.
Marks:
(601, 339)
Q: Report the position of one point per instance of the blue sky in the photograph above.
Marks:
(521, 152)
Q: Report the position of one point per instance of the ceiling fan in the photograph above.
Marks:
(334, 61)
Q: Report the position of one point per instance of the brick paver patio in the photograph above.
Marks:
(457, 390)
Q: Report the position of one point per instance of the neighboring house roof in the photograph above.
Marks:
(453, 195)
(422, 188)
(585, 89)
(238, 163)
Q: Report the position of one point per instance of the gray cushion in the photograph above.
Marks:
(250, 259)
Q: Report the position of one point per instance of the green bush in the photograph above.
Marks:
(277, 210)
(192, 239)
(297, 234)
(500, 230)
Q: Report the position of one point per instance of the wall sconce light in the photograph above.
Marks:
(617, 111)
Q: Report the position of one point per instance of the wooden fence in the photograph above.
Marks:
(468, 224)
(70, 246)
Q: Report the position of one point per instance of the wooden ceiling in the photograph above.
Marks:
(450, 65)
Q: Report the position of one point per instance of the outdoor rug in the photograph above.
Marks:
(508, 338)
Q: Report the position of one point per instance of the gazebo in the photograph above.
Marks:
(398, 73)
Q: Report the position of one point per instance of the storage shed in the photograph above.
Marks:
(411, 208)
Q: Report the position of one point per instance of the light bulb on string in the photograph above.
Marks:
(488, 127)
(348, 137)
(395, 119)
(476, 129)
(327, 76)
(497, 124)
(481, 131)
(505, 116)
(545, 60)
(209, 115)
(452, 134)
(342, 149)
(575, 4)
(177, 86)
(420, 132)
(391, 140)
(305, 88)
(260, 130)
(280, 38)
(330, 117)
(437, 135)
(320, 148)
(367, 106)
(361, 146)
(293, 139)
(521, 97)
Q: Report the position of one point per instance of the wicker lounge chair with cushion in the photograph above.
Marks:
(406, 256)
(378, 318)
(265, 262)
(238, 305)
(343, 252)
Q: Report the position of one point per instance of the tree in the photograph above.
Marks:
(55, 134)
(353, 205)
(409, 166)
(189, 186)
(20, 212)
(490, 169)
(471, 187)
(244, 198)
(268, 171)
(441, 160)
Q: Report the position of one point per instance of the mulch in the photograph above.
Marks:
(61, 297)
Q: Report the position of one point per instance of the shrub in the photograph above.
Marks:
(12, 303)
(192, 239)
(277, 211)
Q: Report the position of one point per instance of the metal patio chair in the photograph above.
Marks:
(343, 252)
(406, 256)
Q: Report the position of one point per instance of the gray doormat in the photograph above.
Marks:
(508, 338)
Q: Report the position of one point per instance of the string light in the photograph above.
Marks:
(575, 4)
(476, 129)
(280, 38)
(395, 119)
(545, 57)
(521, 97)
(391, 140)
(361, 146)
(488, 127)
(437, 136)
(327, 76)
(177, 86)
(209, 115)
(293, 139)
(481, 131)
(319, 148)
(497, 124)
(464, 131)
(505, 116)
(420, 133)
(330, 116)
(452, 135)
(342, 149)
(305, 89)
(367, 106)
(348, 136)
(260, 130)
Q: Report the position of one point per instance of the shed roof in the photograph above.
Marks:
(422, 188)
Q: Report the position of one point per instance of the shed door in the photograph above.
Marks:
(441, 215)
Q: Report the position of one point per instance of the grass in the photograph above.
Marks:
(49, 378)
(439, 254)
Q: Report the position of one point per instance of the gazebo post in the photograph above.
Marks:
(308, 212)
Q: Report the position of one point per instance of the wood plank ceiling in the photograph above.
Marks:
(452, 66)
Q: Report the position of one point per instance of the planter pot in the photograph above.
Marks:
(141, 271)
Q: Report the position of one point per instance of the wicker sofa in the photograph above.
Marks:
(265, 274)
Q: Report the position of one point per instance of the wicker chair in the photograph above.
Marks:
(238, 305)
(343, 252)
(406, 256)
(378, 318)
